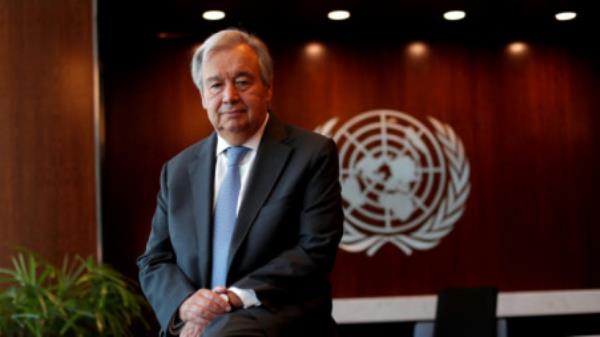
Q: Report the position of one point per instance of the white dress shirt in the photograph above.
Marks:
(247, 296)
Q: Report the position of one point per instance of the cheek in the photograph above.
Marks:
(213, 119)
(210, 104)
(210, 108)
(204, 100)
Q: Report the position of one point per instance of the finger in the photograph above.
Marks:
(196, 313)
(186, 331)
(214, 304)
(197, 329)
(219, 303)
(201, 303)
(223, 293)
(234, 300)
(199, 320)
(192, 330)
(219, 290)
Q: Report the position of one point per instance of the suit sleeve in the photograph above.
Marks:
(305, 268)
(163, 283)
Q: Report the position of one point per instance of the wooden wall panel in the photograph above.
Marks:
(528, 124)
(47, 172)
(152, 112)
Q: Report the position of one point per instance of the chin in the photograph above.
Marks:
(236, 132)
(236, 126)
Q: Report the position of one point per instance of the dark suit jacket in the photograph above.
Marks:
(284, 244)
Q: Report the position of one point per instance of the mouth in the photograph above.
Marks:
(233, 112)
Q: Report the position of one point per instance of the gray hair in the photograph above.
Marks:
(230, 38)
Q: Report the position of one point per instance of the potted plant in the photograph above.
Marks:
(81, 298)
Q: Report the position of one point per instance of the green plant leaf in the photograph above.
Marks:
(81, 298)
(32, 269)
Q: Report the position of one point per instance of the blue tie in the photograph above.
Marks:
(226, 214)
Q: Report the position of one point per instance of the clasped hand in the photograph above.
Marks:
(201, 308)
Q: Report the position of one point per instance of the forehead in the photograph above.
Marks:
(230, 61)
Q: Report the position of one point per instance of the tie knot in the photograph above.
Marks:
(235, 155)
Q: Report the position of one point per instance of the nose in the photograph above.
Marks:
(230, 93)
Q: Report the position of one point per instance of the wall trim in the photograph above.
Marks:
(98, 129)
(422, 307)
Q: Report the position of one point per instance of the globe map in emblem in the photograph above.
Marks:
(394, 172)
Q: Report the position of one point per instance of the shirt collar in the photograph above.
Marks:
(252, 142)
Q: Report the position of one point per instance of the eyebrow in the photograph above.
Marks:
(244, 73)
(238, 74)
(213, 79)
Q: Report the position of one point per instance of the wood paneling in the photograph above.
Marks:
(528, 123)
(47, 194)
(152, 112)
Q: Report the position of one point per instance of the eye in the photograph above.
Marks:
(215, 86)
(242, 83)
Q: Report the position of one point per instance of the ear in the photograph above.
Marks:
(269, 94)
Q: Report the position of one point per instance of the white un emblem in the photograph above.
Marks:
(401, 183)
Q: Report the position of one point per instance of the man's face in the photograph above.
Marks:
(234, 95)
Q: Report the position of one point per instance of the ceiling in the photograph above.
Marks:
(370, 18)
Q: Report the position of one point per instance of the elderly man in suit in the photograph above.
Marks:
(248, 220)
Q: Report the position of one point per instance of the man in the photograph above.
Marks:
(248, 220)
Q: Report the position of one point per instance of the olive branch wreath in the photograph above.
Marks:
(440, 223)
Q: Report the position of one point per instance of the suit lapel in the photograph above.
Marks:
(270, 160)
(201, 172)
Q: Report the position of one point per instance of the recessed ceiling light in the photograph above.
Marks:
(338, 15)
(517, 48)
(454, 15)
(314, 49)
(417, 49)
(565, 16)
(213, 15)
